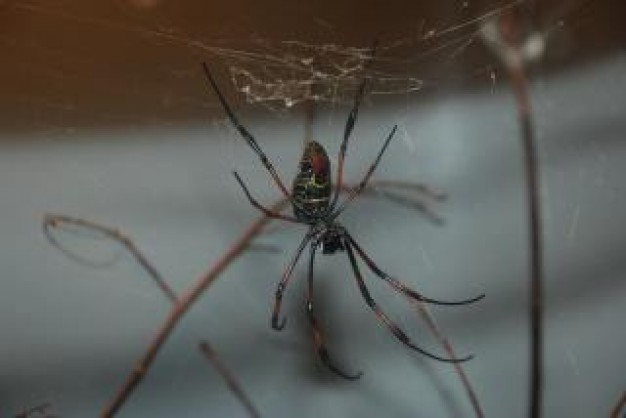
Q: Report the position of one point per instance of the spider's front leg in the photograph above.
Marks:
(256, 204)
(352, 117)
(247, 136)
(333, 213)
(346, 136)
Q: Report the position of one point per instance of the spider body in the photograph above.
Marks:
(316, 204)
(311, 194)
(312, 185)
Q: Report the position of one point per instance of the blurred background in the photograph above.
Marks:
(105, 114)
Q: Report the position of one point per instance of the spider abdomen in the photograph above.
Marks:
(312, 187)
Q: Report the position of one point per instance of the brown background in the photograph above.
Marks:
(73, 64)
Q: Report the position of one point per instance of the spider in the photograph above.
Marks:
(317, 206)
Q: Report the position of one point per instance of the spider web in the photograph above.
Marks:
(281, 73)
(273, 70)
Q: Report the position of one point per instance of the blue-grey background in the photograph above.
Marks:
(70, 333)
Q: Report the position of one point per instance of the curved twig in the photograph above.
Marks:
(55, 220)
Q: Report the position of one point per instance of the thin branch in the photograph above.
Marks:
(621, 404)
(447, 346)
(519, 82)
(505, 35)
(232, 383)
(520, 88)
(180, 308)
(55, 221)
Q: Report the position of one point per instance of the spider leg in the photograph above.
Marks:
(283, 284)
(344, 144)
(359, 188)
(401, 287)
(397, 332)
(318, 336)
(266, 211)
(352, 117)
(247, 136)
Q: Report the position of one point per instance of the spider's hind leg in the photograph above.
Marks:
(396, 331)
(318, 336)
(276, 324)
(401, 287)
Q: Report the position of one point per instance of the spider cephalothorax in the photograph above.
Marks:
(315, 204)
(332, 239)
(328, 236)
